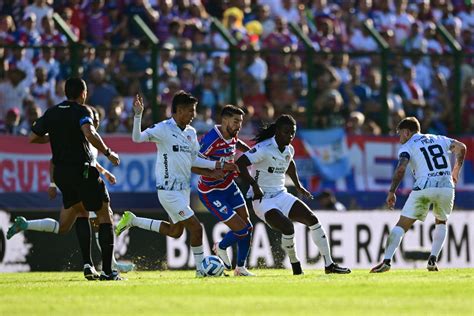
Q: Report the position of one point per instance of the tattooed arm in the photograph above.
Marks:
(459, 150)
(397, 179)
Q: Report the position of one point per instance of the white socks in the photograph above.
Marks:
(198, 253)
(147, 223)
(439, 236)
(44, 225)
(319, 238)
(393, 241)
(288, 244)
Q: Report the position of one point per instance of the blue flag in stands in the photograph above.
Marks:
(328, 150)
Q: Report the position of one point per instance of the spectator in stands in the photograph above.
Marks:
(98, 24)
(58, 95)
(11, 123)
(188, 78)
(279, 40)
(415, 38)
(40, 9)
(206, 93)
(411, 92)
(185, 56)
(403, 21)
(32, 113)
(13, 91)
(49, 35)
(287, 10)
(173, 85)
(203, 121)
(136, 64)
(49, 63)
(7, 29)
(118, 26)
(263, 16)
(101, 92)
(467, 102)
(257, 68)
(114, 122)
(175, 33)
(19, 60)
(144, 10)
(41, 89)
(166, 17)
(327, 201)
(66, 15)
(354, 123)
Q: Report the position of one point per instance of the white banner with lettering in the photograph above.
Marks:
(357, 241)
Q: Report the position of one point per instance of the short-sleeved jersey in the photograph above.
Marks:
(215, 147)
(176, 151)
(270, 165)
(429, 160)
(63, 124)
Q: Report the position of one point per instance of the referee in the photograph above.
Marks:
(69, 129)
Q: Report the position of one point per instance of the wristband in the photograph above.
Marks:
(107, 152)
(52, 185)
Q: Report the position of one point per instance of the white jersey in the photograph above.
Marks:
(429, 160)
(176, 151)
(270, 166)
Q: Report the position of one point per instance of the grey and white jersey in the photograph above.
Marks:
(429, 160)
(270, 165)
(176, 151)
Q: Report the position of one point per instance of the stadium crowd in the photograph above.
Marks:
(115, 60)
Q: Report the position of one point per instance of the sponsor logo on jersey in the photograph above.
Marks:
(181, 148)
(276, 169)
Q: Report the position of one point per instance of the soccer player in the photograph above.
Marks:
(272, 158)
(222, 197)
(69, 129)
(177, 152)
(428, 157)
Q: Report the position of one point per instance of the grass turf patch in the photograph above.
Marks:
(273, 292)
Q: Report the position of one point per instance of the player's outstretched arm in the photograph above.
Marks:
(137, 135)
(396, 180)
(293, 174)
(216, 174)
(243, 162)
(459, 150)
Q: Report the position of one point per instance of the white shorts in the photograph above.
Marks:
(282, 202)
(176, 204)
(419, 202)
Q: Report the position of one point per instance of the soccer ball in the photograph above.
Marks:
(212, 266)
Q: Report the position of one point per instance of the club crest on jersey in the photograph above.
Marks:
(287, 158)
(181, 213)
(188, 137)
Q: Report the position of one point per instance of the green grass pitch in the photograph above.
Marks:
(398, 292)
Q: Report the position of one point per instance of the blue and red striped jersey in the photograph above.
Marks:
(215, 147)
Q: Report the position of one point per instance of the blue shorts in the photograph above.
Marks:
(222, 203)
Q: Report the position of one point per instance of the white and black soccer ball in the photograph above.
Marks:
(212, 266)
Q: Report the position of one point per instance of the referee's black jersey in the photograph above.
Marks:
(63, 124)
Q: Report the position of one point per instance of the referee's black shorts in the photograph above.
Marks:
(75, 188)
